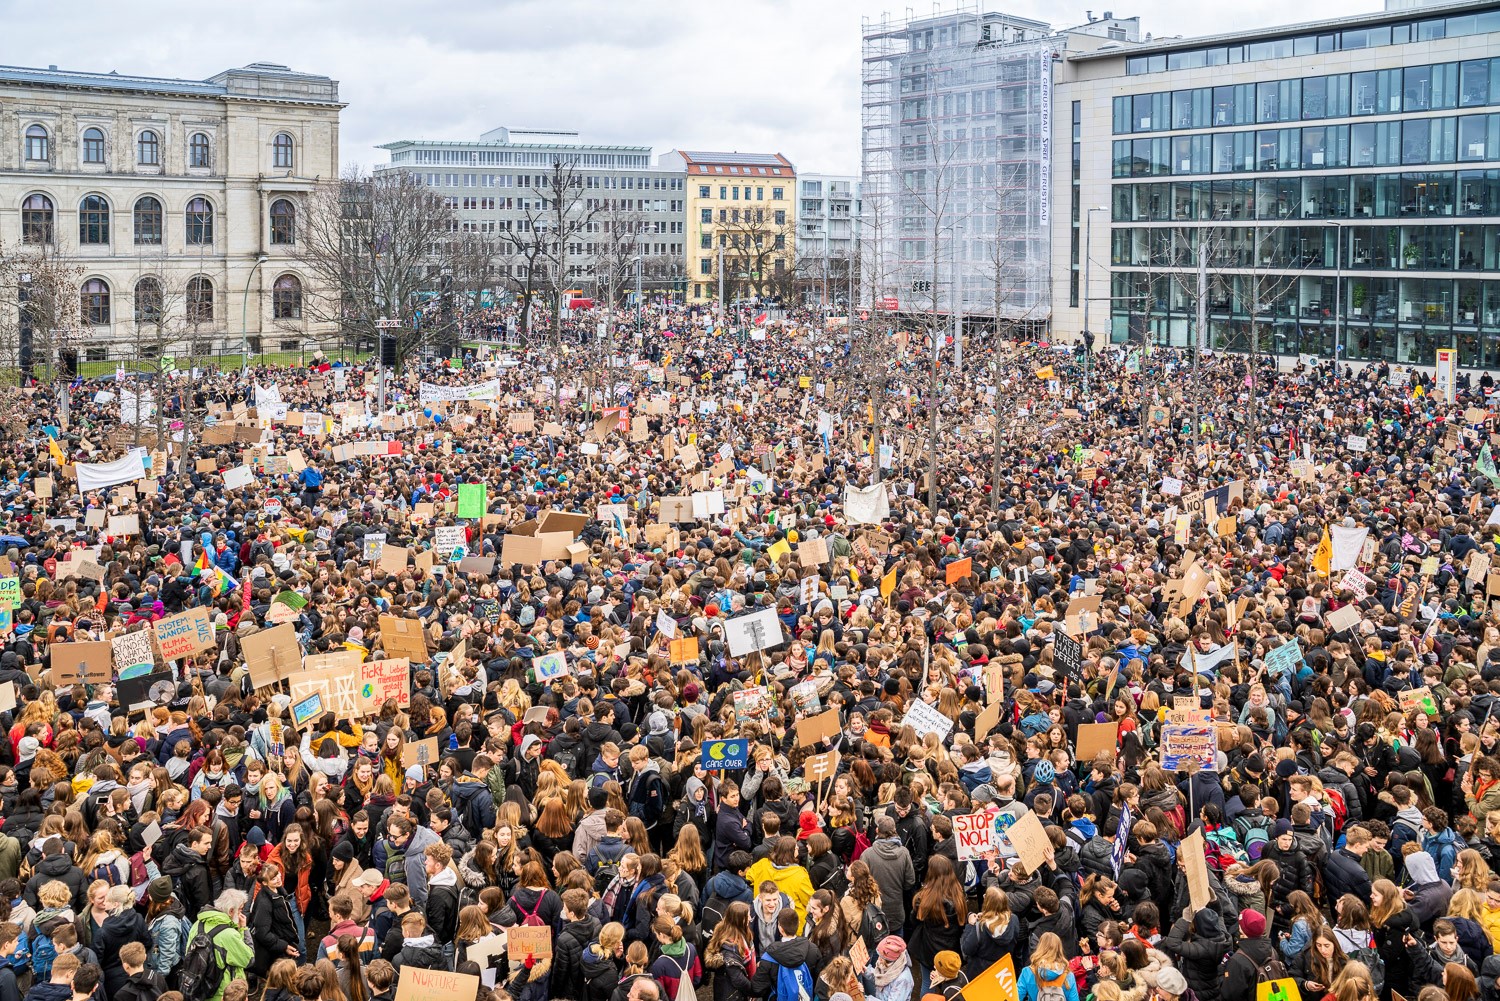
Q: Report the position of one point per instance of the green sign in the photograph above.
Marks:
(471, 500)
(10, 592)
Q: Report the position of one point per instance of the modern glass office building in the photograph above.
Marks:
(1345, 175)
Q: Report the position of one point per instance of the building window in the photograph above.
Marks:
(781, 217)
(93, 220)
(706, 241)
(283, 222)
(776, 194)
(148, 301)
(94, 299)
(93, 145)
(148, 149)
(703, 191)
(148, 222)
(36, 219)
(281, 150)
(706, 215)
(705, 267)
(198, 150)
(200, 222)
(286, 298)
(38, 143)
(200, 300)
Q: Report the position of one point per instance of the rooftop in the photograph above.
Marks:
(1386, 16)
(262, 81)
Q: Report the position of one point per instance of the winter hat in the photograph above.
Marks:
(1044, 773)
(947, 964)
(1252, 923)
(1171, 981)
(160, 889)
(891, 948)
(807, 825)
(256, 837)
(27, 748)
(416, 773)
(1283, 826)
(343, 851)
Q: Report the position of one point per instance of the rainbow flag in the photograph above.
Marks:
(203, 564)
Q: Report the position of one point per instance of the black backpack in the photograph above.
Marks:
(713, 911)
(609, 867)
(203, 966)
(873, 927)
(1273, 969)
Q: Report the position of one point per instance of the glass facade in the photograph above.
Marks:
(1401, 32)
(1339, 222)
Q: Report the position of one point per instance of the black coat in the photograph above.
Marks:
(190, 880)
(442, 911)
(114, 933)
(1392, 948)
(568, 979)
(273, 927)
(144, 986)
(981, 949)
(1343, 874)
(1242, 972)
(1198, 949)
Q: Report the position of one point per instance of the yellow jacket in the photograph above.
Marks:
(1490, 922)
(792, 880)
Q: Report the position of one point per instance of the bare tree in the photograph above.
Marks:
(367, 243)
(757, 253)
(558, 217)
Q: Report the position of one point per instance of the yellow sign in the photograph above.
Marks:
(1045, 373)
(1278, 990)
(998, 983)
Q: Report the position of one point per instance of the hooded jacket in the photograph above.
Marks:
(422, 952)
(891, 866)
(228, 936)
(475, 804)
(728, 885)
(791, 952)
(598, 973)
(1198, 948)
(791, 880)
(568, 979)
(59, 867)
(1243, 970)
(1430, 894)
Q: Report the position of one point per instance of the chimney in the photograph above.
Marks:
(1090, 15)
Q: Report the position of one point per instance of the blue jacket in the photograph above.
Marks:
(1027, 985)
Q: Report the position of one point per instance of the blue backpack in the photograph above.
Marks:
(792, 983)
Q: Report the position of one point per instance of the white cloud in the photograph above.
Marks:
(763, 75)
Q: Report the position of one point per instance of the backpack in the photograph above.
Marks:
(861, 843)
(107, 872)
(531, 920)
(1274, 968)
(395, 863)
(685, 989)
(204, 964)
(792, 983)
(1339, 809)
(1053, 990)
(568, 758)
(1222, 850)
(1255, 843)
(1371, 958)
(872, 926)
(608, 867)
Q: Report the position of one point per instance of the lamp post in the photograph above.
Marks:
(1338, 290)
(245, 314)
(640, 265)
(1088, 336)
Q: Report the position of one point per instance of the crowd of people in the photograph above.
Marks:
(600, 785)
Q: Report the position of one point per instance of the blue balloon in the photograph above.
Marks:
(438, 419)
(427, 412)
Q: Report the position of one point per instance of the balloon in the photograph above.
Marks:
(427, 412)
(438, 419)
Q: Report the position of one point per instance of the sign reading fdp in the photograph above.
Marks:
(725, 754)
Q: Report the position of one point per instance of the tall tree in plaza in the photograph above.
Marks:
(558, 219)
(366, 245)
(757, 254)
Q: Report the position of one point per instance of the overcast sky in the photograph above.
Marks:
(752, 75)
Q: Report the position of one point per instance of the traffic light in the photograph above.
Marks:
(388, 352)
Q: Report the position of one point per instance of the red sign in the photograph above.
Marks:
(889, 303)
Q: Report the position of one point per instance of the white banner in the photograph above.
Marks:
(1347, 543)
(98, 475)
(1208, 663)
(866, 506)
(431, 393)
(265, 395)
(756, 631)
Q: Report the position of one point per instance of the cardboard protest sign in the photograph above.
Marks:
(684, 650)
(1195, 861)
(959, 570)
(309, 708)
(380, 680)
(414, 983)
(819, 768)
(422, 752)
(522, 941)
(1096, 737)
(1284, 658)
(1413, 699)
(393, 558)
(403, 638)
(987, 720)
(185, 634)
(272, 654)
(91, 662)
(551, 665)
(974, 835)
(1030, 841)
(1342, 619)
(133, 653)
(144, 690)
(812, 553)
(815, 728)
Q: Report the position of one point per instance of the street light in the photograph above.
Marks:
(1338, 290)
(1088, 336)
(245, 314)
(639, 265)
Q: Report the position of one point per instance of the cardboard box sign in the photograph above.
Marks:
(421, 752)
(403, 638)
(92, 663)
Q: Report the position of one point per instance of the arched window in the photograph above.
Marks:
(281, 150)
(283, 222)
(148, 221)
(95, 302)
(93, 220)
(198, 150)
(200, 300)
(148, 301)
(200, 222)
(93, 145)
(286, 298)
(36, 219)
(38, 143)
(148, 149)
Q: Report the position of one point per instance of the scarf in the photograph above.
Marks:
(886, 973)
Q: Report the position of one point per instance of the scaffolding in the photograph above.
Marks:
(956, 159)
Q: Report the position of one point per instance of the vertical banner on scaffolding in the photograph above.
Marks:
(1044, 166)
(1447, 365)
